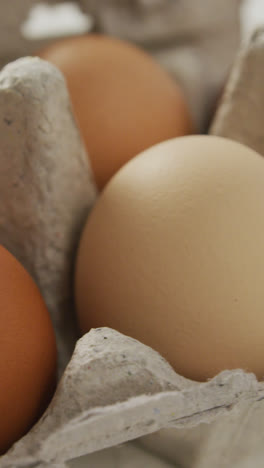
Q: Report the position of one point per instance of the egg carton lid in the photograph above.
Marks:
(114, 388)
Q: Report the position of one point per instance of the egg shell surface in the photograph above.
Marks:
(123, 100)
(28, 351)
(173, 255)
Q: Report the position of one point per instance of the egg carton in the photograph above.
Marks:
(195, 40)
(118, 403)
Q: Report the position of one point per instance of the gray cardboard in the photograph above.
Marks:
(116, 389)
(46, 187)
(239, 116)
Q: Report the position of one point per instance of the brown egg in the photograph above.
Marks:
(123, 100)
(173, 255)
(27, 351)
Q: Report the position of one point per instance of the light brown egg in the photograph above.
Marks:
(123, 100)
(173, 255)
(27, 352)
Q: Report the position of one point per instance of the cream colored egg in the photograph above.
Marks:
(173, 255)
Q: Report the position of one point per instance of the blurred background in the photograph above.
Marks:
(66, 18)
(196, 41)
